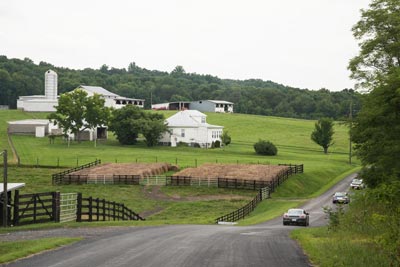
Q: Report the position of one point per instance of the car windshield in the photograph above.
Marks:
(356, 181)
(340, 194)
(295, 212)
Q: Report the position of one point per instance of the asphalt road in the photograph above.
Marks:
(266, 244)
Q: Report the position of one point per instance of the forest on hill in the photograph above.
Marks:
(24, 77)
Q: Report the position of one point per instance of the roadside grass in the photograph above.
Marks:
(12, 250)
(328, 249)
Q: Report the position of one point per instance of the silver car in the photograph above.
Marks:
(297, 217)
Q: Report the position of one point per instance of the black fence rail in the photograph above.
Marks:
(57, 178)
(239, 214)
(36, 208)
(99, 179)
(295, 168)
(95, 209)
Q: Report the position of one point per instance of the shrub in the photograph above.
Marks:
(217, 144)
(263, 147)
(226, 138)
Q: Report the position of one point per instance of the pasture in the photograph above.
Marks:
(291, 136)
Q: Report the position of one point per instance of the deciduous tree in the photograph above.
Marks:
(379, 34)
(323, 133)
(76, 112)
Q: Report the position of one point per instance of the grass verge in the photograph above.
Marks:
(12, 250)
(326, 248)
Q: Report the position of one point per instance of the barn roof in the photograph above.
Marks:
(98, 90)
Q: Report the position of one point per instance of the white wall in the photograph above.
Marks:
(201, 135)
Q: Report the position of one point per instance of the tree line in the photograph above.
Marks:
(23, 77)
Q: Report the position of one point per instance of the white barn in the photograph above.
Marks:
(111, 99)
(190, 126)
(42, 103)
(212, 106)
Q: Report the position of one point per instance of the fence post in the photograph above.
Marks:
(16, 208)
(113, 210)
(56, 206)
(34, 208)
(79, 208)
(97, 209)
(104, 209)
(90, 208)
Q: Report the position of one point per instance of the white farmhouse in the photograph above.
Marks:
(212, 106)
(190, 126)
(111, 99)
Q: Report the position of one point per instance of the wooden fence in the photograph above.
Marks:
(234, 182)
(263, 193)
(239, 214)
(66, 178)
(94, 209)
(36, 208)
(58, 178)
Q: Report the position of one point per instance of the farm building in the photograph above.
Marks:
(190, 126)
(181, 105)
(42, 128)
(42, 103)
(39, 128)
(111, 99)
(201, 105)
(212, 106)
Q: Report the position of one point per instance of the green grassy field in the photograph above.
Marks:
(291, 136)
(12, 250)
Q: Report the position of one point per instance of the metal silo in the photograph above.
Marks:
(50, 84)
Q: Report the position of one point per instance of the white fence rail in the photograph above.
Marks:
(68, 206)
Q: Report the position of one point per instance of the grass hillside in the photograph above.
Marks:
(291, 136)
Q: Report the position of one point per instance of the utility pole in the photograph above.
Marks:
(351, 124)
(5, 191)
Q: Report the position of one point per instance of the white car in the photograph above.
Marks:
(357, 184)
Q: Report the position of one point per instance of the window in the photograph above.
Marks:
(182, 132)
(203, 119)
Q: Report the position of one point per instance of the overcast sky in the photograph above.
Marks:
(305, 44)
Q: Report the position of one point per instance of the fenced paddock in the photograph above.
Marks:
(114, 173)
(58, 177)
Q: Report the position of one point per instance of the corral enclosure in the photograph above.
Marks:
(136, 169)
(258, 172)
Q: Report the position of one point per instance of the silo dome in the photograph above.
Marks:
(50, 84)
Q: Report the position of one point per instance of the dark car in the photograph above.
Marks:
(341, 198)
(357, 184)
(296, 217)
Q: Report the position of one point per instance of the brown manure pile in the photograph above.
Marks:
(140, 169)
(234, 171)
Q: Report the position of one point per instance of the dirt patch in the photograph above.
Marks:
(139, 169)
(234, 171)
(155, 193)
